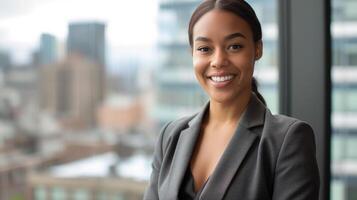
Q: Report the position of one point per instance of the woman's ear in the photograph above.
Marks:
(258, 49)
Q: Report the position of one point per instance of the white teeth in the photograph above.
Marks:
(221, 78)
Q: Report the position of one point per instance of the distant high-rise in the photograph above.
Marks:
(48, 49)
(5, 61)
(87, 39)
(72, 89)
(178, 93)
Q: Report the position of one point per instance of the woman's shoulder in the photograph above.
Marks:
(277, 125)
(282, 121)
(173, 128)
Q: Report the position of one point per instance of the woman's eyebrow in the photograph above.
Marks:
(234, 35)
(228, 37)
(203, 39)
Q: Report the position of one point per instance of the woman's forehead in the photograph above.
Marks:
(220, 23)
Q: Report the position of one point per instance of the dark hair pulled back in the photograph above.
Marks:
(238, 7)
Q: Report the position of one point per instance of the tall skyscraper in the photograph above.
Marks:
(72, 90)
(87, 39)
(48, 49)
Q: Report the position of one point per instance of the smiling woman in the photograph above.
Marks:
(234, 148)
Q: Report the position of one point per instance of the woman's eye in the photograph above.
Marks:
(203, 49)
(235, 47)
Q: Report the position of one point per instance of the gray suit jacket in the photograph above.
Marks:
(269, 157)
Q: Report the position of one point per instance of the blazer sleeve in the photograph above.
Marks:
(151, 192)
(296, 172)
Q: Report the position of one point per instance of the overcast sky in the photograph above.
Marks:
(129, 23)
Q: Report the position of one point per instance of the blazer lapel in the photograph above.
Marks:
(184, 149)
(236, 151)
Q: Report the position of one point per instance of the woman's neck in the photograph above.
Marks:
(228, 112)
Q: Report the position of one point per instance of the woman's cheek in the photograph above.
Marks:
(244, 64)
(196, 61)
(199, 66)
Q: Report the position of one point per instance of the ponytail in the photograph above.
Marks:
(255, 90)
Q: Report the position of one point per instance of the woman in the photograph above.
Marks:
(234, 148)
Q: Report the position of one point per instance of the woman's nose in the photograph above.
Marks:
(219, 59)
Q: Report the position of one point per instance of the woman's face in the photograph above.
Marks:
(224, 54)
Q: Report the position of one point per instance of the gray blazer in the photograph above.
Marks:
(269, 157)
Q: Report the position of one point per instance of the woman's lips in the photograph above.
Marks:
(220, 81)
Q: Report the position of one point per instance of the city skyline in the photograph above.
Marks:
(149, 81)
(20, 36)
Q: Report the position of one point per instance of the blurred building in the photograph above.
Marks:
(344, 100)
(121, 114)
(20, 91)
(17, 163)
(13, 169)
(48, 49)
(9, 103)
(5, 61)
(44, 187)
(72, 90)
(129, 70)
(88, 40)
(177, 92)
(103, 176)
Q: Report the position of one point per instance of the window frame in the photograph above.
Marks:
(305, 84)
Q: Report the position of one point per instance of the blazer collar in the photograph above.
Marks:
(254, 114)
(229, 162)
(182, 156)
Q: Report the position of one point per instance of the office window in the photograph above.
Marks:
(344, 98)
(87, 85)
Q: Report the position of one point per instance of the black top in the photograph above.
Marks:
(187, 189)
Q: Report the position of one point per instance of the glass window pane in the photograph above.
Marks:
(344, 100)
(85, 95)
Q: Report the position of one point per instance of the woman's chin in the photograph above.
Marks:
(222, 98)
(227, 97)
